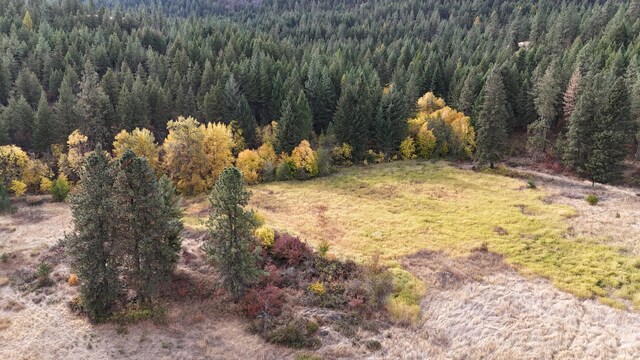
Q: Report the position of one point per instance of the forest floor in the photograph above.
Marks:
(559, 278)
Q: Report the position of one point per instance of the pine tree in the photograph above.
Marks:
(546, 98)
(320, 93)
(148, 222)
(126, 110)
(46, 130)
(5, 85)
(19, 118)
(583, 124)
(94, 107)
(295, 123)
(390, 127)
(571, 94)
(28, 86)
(91, 244)
(612, 135)
(246, 121)
(232, 246)
(66, 110)
(353, 117)
(492, 122)
(111, 86)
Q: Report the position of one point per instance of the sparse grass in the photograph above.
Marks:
(399, 208)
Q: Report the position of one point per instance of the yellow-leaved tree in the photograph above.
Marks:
(141, 142)
(219, 140)
(250, 164)
(13, 162)
(439, 130)
(77, 149)
(195, 154)
(304, 158)
(184, 157)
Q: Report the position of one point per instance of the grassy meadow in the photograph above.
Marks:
(399, 208)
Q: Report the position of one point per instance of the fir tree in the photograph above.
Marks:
(94, 107)
(232, 245)
(5, 85)
(492, 122)
(352, 120)
(390, 127)
(583, 125)
(66, 110)
(91, 243)
(295, 123)
(46, 130)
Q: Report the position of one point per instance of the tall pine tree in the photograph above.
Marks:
(91, 243)
(492, 122)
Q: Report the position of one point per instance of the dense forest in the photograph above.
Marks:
(344, 75)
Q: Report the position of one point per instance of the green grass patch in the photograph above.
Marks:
(396, 209)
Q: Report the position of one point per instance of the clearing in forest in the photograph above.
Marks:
(400, 208)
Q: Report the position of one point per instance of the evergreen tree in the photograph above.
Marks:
(5, 84)
(28, 86)
(246, 121)
(613, 134)
(94, 107)
(571, 94)
(111, 86)
(91, 243)
(126, 110)
(492, 122)
(390, 127)
(583, 125)
(232, 245)
(46, 131)
(19, 118)
(352, 120)
(320, 93)
(295, 123)
(66, 110)
(148, 224)
(546, 98)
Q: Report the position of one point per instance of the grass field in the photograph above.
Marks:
(399, 208)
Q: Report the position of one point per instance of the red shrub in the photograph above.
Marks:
(290, 248)
(273, 275)
(268, 300)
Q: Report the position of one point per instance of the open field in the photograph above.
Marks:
(397, 209)
(429, 219)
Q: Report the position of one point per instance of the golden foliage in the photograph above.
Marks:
(141, 142)
(342, 155)
(195, 154)
(18, 187)
(13, 162)
(250, 164)
(78, 148)
(433, 113)
(425, 142)
(429, 103)
(267, 153)
(266, 235)
(317, 288)
(218, 142)
(184, 161)
(45, 185)
(408, 148)
(304, 158)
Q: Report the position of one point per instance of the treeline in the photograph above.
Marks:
(347, 70)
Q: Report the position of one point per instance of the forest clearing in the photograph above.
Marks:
(488, 288)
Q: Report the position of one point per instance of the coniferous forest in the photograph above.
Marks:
(319, 179)
(565, 74)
